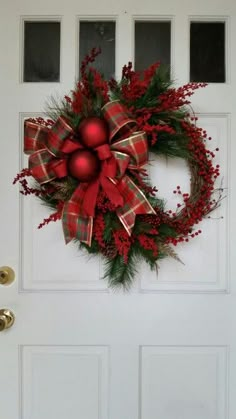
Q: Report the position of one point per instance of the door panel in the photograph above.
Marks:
(77, 349)
(57, 381)
(205, 261)
(161, 368)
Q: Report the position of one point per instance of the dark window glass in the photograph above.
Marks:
(99, 34)
(41, 52)
(152, 44)
(207, 52)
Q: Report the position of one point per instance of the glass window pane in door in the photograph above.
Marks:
(152, 43)
(41, 52)
(207, 52)
(99, 34)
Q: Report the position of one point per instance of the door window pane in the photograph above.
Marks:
(207, 52)
(152, 43)
(41, 52)
(99, 34)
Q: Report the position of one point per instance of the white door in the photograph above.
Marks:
(166, 349)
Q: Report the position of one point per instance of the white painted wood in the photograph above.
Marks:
(200, 393)
(181, 324)
(57, 381)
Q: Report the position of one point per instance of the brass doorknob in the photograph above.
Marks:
(7, 275)
(7, 319)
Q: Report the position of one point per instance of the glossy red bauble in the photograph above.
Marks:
(84, 165)
(93, 132)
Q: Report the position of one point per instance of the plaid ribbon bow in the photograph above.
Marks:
(49, 150)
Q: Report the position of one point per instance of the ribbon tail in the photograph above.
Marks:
(91, 194)
(77, 225)
(112, 191)
(128, 225)
(90, 198)
(135, 203)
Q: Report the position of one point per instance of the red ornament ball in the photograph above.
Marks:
(84, 165)
(94, 132)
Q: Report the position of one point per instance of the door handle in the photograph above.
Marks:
(7, 319)
(7, 275)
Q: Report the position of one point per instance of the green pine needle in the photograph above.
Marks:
(120, 274)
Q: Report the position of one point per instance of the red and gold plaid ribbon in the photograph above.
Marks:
(49, 150)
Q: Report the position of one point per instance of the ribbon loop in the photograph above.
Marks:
(57, 135)
(35, 137)
(116, 116)
(122, 162)
(135, 147)
(40, 166)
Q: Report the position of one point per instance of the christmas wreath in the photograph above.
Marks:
(88, 162)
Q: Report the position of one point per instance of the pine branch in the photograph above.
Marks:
(159, 84)
(56, 107)
(147, 255)
(111, 222)
(171, 145)
(169, 251)
(120, 274)
(93, 249)
(166, 230)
